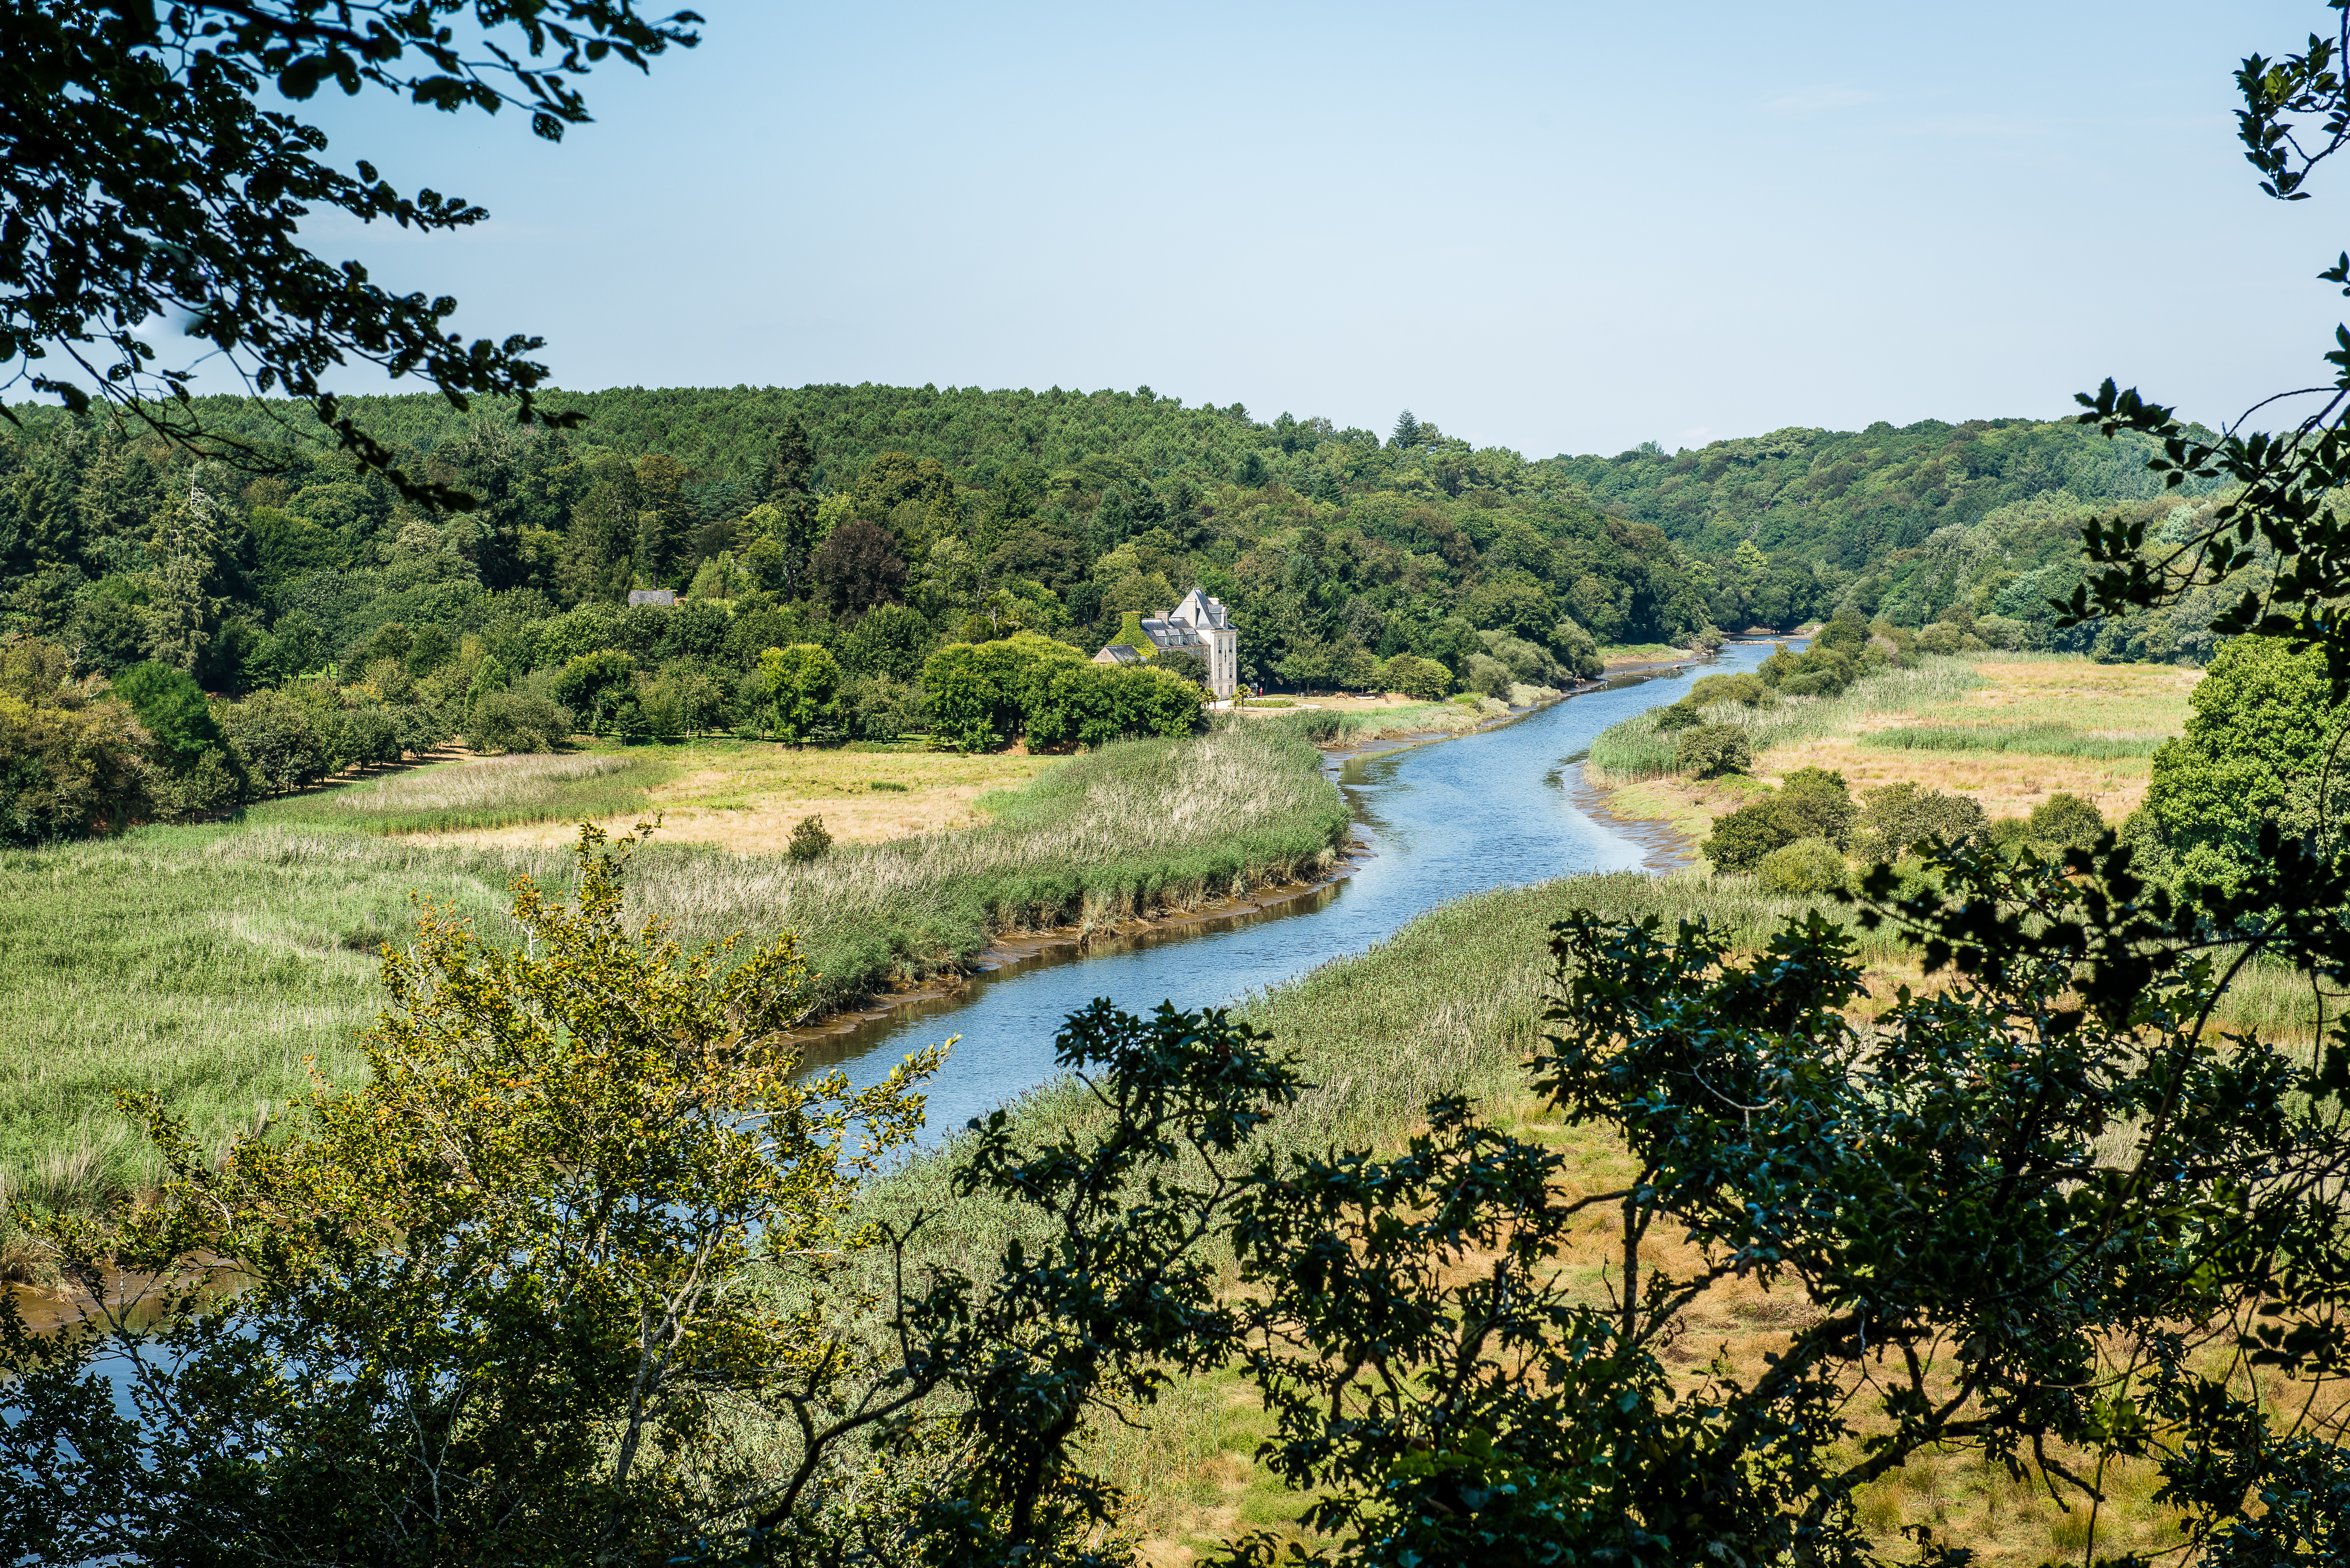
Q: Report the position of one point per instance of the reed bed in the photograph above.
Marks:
(478, 793)
(1637, 749)
(2043, 739)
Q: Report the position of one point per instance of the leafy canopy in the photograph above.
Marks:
(143, 181)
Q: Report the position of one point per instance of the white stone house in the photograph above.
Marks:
(1199, 625)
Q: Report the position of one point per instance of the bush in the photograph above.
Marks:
(809, 841)
(1812, 804)
(276, 741)
(517, 721)
(1711, 750)
(1577, 651)
(212, 786)
(69, 766)
(1681, 715)
(2064, 821)
(1807, 865)
(1942, 638)
(1744, 688)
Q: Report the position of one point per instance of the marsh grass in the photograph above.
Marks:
(1637, 749)
(212, 964)
(477, 793)
(2043, 738)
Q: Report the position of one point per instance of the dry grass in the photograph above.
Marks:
(2000, 690)
(747, 796)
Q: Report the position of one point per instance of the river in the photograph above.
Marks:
(1497, 808)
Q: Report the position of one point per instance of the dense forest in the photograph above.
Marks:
(883, 524)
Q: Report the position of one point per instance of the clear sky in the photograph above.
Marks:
(1557, 228)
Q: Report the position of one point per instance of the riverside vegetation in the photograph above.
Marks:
(207, 964)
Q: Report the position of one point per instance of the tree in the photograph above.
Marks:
(600, 689)
(495, 1305)
(276, 742)
(70, 764)
(803, 687)
(168, 192)
(182, 612)
(855, 568)
(172, 708)
(2260, 751)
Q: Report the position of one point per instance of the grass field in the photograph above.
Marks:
(478, 793)
(208, 963)
(2009, 729)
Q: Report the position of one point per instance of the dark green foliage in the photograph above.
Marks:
(1679, 715)
(890, 639)
(809, 841)
(857, 569)
(1423, 679)
(1898, 816)
(600, 690)
(172, 707)
(1708, 751)
(1812, 804)
(2064, 821)
(1815, 673)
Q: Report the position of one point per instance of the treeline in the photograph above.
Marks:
(882, 524)
(1932, 521)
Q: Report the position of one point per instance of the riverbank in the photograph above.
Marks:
(214, 965)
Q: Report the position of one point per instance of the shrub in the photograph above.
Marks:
(1942, 638)
(69, 766)
(2064, 821)
(1807, 865)
(809, 841)
(1812, 804)
(214, 784)
(517, 721)
(1486, 676)
(1422, 679)
(1576, 649)
(1708, 751)
(1681, 715)
(1744, 688)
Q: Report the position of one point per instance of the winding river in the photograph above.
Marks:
(1495, 808)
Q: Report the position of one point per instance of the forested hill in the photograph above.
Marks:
(1058, 511)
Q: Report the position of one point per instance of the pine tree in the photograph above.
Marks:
(790, 467)
(1407, 431)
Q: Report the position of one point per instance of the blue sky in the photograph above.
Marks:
(1561, 228)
